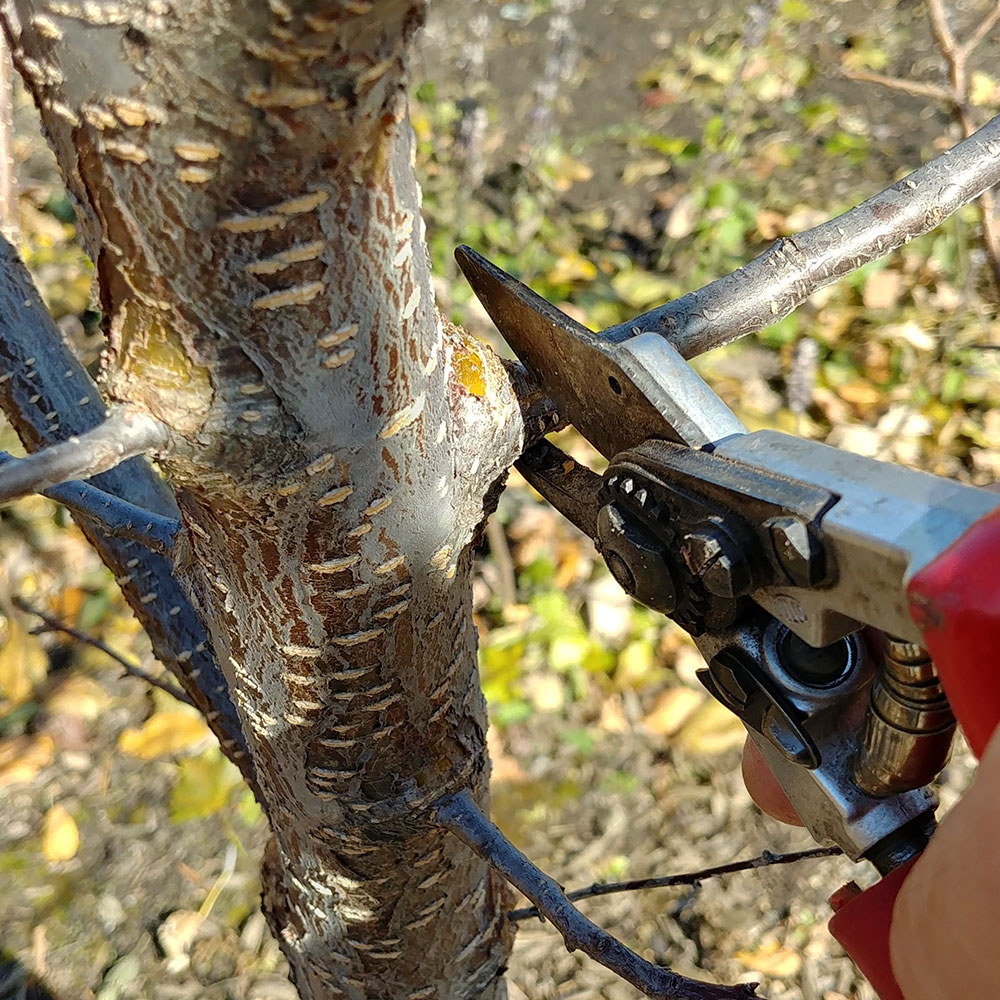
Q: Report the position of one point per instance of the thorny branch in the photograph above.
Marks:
(54, 625)
(125, 433)
(763, 860)
(956, 94)
(790, 270)
(460, 815)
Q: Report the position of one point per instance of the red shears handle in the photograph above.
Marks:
(955, 602)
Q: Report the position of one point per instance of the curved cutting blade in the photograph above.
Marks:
(616, 395)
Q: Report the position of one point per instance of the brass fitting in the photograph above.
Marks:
(910, 725)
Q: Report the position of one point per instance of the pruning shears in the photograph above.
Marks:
(775, 552)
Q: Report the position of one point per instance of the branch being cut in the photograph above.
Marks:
(787, 273)
(460, 815)
(125, 433)
(764, 860)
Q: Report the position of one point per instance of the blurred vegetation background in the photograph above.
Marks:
(614, 155)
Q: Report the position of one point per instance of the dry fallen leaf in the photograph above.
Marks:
(60, 836)
(545, 691)
(712, 729)
(23, 664)
(612, 719)
(772, 960)
(770, 224)
(503, 766)
(175, 935)
(672, 709)
(882, 289)
(80, 697)
(22, 758)
(164, 733)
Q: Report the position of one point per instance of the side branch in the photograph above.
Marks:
(460, 815)
(118, 518)
(125, 433)
(784, 276)
(764, 860)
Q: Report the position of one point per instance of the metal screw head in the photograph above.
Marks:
(797, 550)
(715, 558)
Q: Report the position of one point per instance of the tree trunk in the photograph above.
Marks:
(243, 178)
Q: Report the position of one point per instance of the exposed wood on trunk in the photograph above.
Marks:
(250, 202)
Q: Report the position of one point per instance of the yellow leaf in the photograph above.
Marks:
(22, 758)
(23, 664)
(983, 90)
(772, 960)
(164, 733)
(204, 786)
(571, 267)
(712, 729)
(672, 709)
(80, 697)
(565, 171)
(60, 837)
(639, 170)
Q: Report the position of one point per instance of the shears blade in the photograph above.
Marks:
(617, 395)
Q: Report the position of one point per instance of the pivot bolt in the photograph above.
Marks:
(636, 560)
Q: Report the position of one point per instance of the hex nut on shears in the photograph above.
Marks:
(714, 557)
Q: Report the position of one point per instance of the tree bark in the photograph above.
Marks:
(243, 178)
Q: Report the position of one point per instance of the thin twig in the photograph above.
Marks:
(54, 625)
(955, 56)
(763, 860)
(500, 551)
(980, 34)
(957, 95)
(460, 815)
(9, 221)
(125, 433)
(913, 87)
(793, 268)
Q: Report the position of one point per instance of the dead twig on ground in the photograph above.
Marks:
(51, 624)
